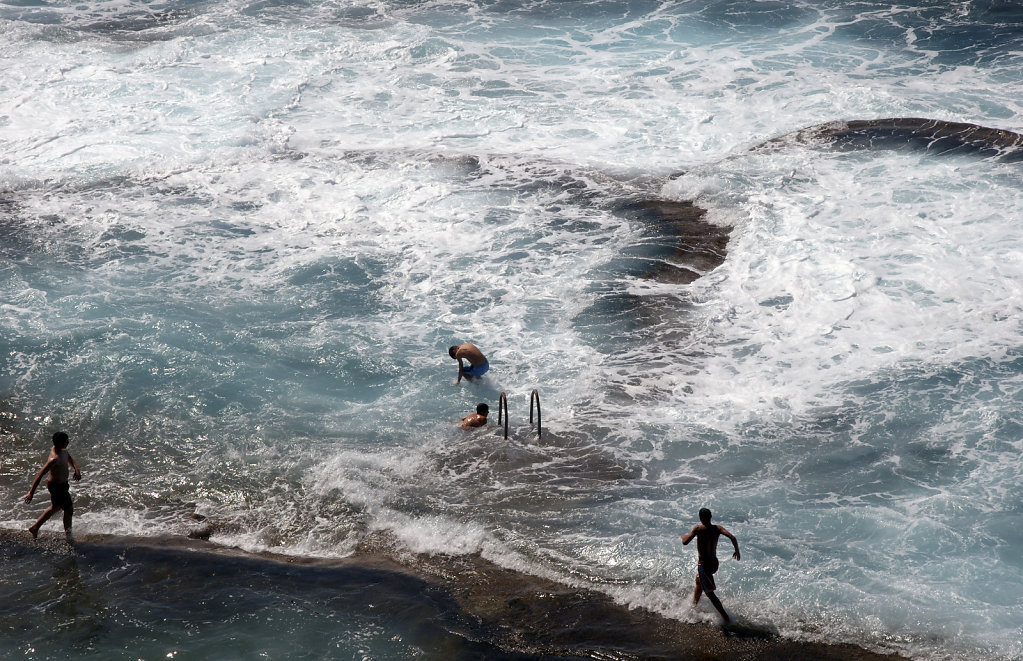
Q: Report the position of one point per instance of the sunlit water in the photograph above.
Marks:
(238, 238)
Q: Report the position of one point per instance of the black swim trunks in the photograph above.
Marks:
(60, 495)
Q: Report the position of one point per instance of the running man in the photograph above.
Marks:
(58, 465)
(470, 353)
(707, 535)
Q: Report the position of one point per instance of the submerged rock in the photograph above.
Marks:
(929, 135)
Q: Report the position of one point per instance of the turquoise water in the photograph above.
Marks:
(236, 240)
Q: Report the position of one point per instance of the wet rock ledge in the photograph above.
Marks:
(497, 612)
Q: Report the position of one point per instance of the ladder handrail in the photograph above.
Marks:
(535, 395)
(502, 407)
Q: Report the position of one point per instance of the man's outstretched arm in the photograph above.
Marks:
(735, 542)
(688, 537)
(39, 477)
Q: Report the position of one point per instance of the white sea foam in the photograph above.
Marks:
(833, 278)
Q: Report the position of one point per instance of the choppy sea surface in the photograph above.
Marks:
(238, 236)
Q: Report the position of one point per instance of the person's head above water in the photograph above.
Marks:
(482, 409)
(705, 516)
(452, 351)
(60, 440)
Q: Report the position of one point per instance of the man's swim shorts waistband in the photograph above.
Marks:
(476, 370)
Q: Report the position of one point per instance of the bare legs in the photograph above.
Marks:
(698, 592)
(69, 513)
(43, 518)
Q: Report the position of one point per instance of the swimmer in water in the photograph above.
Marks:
(477, 419)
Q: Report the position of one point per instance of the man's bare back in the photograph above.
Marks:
(707, 541)
(470, 352)
(60, 466)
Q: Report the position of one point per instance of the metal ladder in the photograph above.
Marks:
(502, 412)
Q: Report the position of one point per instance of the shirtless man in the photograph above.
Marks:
(477, 419)
(707, 535)
(58, 466)
(470, 353)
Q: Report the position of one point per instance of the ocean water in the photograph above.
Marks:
(238, 236)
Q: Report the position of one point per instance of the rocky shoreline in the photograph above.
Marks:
(519, 614)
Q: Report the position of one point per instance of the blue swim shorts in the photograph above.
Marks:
(706, 578)
(476, 370)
